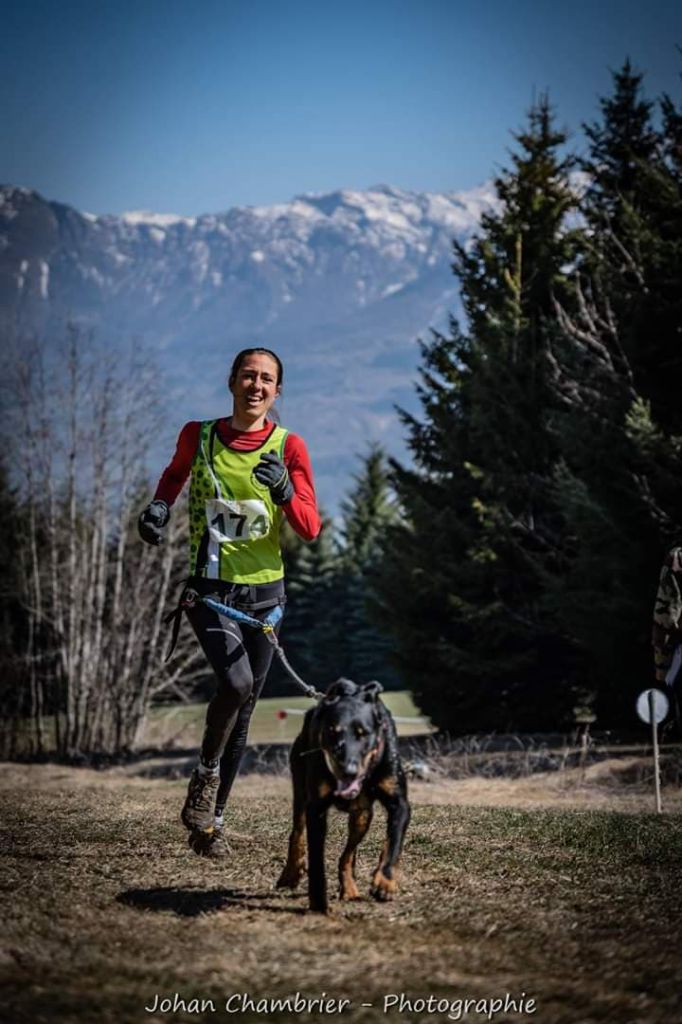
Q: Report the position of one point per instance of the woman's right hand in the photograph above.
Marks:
(152, 520)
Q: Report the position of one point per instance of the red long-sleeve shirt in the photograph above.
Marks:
(301, 511)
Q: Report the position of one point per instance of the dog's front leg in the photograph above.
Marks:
(384, 882)
(316, 824)
(294, 869)
(358, 823)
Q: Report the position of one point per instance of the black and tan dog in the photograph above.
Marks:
(346, 756)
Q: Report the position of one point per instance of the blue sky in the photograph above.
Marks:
(192, 107)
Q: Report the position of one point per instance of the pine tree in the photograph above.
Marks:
(621, 147)
(367, 511)
(313, 630)
(634, 208)
(464, 576)
(619, 481)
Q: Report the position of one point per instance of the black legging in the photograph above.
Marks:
(240, 657)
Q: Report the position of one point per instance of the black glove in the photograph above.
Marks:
(152, 520)
(272, 472)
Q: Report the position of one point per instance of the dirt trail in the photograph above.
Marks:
(537, 886)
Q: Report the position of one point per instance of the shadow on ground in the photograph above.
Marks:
(192, 902)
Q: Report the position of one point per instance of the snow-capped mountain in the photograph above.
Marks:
(340, 284)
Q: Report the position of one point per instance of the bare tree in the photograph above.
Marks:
(78, 426)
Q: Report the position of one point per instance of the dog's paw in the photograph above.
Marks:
(289, 878)
(382, 888)
(349, 891)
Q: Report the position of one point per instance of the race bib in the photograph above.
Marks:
(236, 521)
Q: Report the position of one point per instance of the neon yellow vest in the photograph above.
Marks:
(234, 523)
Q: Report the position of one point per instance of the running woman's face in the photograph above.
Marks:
(254, 389)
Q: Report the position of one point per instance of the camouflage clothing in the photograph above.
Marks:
(667, 631)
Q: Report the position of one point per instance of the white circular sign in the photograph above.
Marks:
(660, 706)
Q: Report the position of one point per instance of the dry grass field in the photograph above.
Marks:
(559, 888)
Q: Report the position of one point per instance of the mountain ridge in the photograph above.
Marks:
(341, 284)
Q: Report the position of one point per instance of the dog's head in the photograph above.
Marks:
(350, 733)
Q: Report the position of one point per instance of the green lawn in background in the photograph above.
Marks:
(182, 724)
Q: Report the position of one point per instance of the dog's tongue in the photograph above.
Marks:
(348, 787)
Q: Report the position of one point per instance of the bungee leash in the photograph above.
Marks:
(267, 625)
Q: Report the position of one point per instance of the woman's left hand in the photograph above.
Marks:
(272, 472)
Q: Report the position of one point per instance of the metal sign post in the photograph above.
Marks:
(652, 707)
(654, 739)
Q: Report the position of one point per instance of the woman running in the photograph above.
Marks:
(247, 473)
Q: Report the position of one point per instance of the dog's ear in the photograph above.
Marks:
(370, 691)
(341, 688)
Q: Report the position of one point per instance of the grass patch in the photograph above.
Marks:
(182, 724)
(104, 907)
